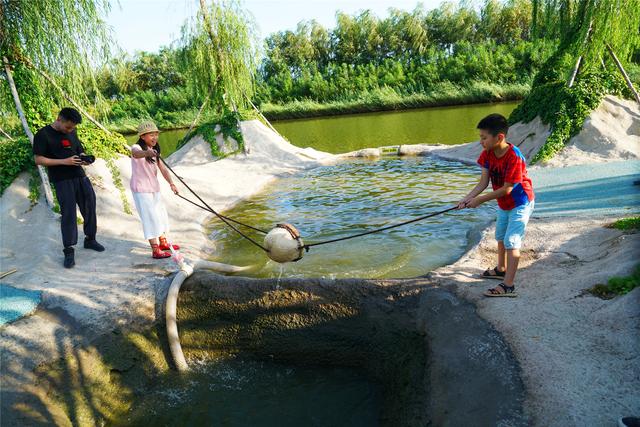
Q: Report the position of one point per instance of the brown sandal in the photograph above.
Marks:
(493, 274)
(507, 291)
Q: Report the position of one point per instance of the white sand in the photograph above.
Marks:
(611, 133)
(573, 352)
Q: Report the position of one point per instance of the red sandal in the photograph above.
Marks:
(156, 253)
(164, 245)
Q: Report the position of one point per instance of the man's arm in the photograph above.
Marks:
(69, 161)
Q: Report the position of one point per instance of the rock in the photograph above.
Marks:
(413, 150)
(366, 152)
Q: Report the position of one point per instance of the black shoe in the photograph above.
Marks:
(93, 244)
(69, 257)
(628, 422)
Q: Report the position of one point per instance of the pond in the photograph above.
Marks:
(341, 134)
(355, 196)
(281, 382)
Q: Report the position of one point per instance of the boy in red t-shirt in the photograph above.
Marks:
(505, 166)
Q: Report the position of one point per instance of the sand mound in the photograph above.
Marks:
(195, 152)
(610, 133)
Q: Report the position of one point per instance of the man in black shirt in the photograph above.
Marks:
(57, 147)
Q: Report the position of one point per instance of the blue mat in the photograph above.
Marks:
(15, 303)
(605, 189)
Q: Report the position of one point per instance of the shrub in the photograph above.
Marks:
(15, 157)
(627, 224)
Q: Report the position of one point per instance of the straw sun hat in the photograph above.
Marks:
(147, 127)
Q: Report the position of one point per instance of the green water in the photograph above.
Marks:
(341, 134)
(168, 140)
(354, 196)
(248, 393)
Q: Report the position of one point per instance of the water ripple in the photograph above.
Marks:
(355, 196)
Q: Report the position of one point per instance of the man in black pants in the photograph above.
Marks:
(57, 147)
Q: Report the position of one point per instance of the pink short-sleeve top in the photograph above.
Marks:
(144, 174)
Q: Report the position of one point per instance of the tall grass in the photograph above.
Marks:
(384, 99)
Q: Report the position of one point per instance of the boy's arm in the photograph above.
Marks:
(502, 191)
(512, 174)
(479, 188)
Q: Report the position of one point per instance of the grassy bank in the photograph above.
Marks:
(164, 120)
(446, 94)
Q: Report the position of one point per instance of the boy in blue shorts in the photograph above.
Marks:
(504, 165)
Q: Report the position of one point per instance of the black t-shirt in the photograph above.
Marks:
(53, 144)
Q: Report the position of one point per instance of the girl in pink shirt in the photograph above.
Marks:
(145, 162)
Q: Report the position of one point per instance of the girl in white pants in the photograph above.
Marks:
(145, 162)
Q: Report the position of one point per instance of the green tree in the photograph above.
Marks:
(451, 23)
(573, 81)
(64, 38)
(47, 43)
(157, 72)
(218, 53)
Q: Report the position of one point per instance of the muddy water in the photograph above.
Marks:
(312, 352)
(259, 393)
(355, 196)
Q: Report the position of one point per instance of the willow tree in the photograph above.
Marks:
(47, 48)
(595, 38)
(218, 51)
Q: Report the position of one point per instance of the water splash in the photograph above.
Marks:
(281, 268)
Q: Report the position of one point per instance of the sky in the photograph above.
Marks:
(150, 24)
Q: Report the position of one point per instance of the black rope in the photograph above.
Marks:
(210, 209)
(222, 216)
(306, 247)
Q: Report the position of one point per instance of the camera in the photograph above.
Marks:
(87, 159)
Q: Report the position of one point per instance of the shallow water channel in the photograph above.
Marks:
(355, 196)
